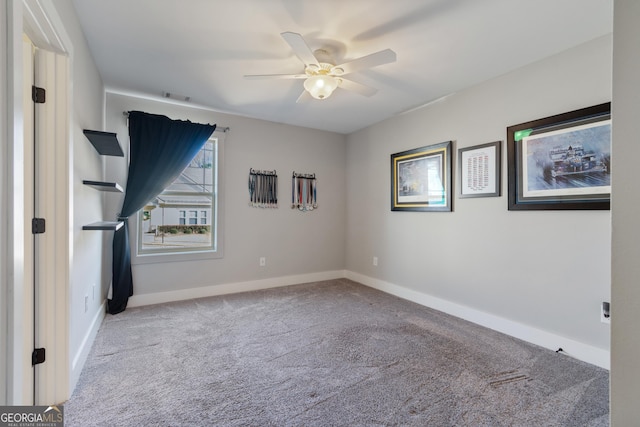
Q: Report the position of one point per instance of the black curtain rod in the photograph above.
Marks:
(218, 128)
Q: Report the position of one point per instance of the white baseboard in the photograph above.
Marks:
(81, 355)
(231, 288)
(586, 353)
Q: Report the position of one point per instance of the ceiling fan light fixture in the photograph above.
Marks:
(321, 74)
(321, 86)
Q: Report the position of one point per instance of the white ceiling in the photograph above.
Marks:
(203, 48)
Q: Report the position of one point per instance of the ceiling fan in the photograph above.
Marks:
(321, 76)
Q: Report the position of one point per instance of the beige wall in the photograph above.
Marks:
(545, 272)
(625, 305)
(293, 243)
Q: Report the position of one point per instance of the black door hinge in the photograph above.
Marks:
(38, 94)
(37, 225)
(37, 357)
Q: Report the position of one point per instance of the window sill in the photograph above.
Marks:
(175, 257)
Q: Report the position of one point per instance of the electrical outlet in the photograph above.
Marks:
(375, 260)
(263, 261)
(86, 303)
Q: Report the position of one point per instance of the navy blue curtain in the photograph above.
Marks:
(159, 150)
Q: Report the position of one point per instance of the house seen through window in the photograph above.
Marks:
(183, 217)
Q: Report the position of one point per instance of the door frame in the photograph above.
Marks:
(52, 248)
(39, 20)
(14, 194)
(4, 216)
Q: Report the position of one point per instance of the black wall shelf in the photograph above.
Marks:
(112, 187)
(105, 143)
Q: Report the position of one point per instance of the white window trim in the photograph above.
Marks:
(217, 220)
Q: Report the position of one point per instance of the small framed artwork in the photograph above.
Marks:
(479, 170)
(561, 162)
(421, 179)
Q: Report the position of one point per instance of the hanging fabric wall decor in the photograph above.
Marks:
(304, 192)
(263, 189)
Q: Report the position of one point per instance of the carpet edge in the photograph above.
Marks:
(232, 288)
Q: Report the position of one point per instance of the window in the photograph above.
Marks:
(193, 217)
(184, 218)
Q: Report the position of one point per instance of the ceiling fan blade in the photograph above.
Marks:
(276, 76)
(300, 48)
(373, 60)
(358, 88)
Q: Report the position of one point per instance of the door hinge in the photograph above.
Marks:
(38, 94)
(37, 225)
(37, 357)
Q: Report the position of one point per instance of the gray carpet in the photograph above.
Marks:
(332, 353)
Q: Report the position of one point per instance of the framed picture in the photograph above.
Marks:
(479, 170)
(421, 179)
(561, 162)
